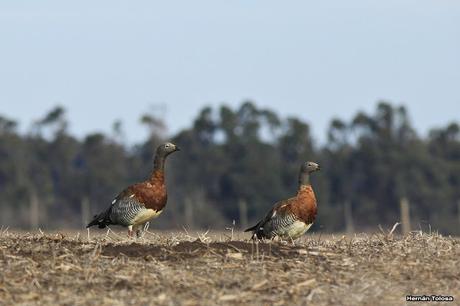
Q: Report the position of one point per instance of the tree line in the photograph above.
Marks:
(235, 163)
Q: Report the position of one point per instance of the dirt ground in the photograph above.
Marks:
(206, 269)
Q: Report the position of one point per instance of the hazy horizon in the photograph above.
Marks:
(111, 60)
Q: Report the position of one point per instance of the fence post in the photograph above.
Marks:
(349, 226)
(243, 210)
(5, 215)
(458, 211)
(405, 216)
(188, 213)
(34, 211)
(85, 211)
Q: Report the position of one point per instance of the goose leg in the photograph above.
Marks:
(130, 231)
(142, 229)
(292, 241)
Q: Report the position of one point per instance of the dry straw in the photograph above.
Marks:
(208, 268)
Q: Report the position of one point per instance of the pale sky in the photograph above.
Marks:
(108, 60)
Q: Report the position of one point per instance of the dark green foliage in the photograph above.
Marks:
(232, 155)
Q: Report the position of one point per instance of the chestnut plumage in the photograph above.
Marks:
(141, 202)
(291, 218)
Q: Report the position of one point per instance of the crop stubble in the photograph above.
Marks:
(182, 269)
